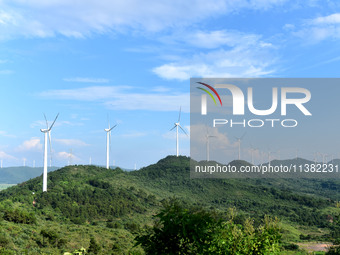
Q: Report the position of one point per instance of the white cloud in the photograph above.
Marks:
(66, 155)
(40, 18)
(6, 71)
(220, 53)
(71, 142)
(219, 38)
(93, 93)
(150, 102)
(86, 80)
(82, 18)
(161, 89)
(251, 61)
(326, 20)
(320, 28)
(31, 145)
(4, 155)
(120, 97)
(5, 134)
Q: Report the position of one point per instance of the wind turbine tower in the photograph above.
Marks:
(270, 153)
(46, 131)
(208, 146)
(252, 149)
(176, 125)
(239, 139)
(108, 139)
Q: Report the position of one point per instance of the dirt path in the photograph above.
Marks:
(315, 246)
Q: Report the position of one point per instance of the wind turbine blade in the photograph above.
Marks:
(112, 127)
(179, 116)
(46, 121)
(243, 135)
(173, 128)
(183, 130)
(53, 122)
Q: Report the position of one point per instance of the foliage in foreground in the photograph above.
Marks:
(181, 229)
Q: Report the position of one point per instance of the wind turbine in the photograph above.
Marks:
(270, 153)
(46, 131)
(177, 124)
(108, 139)
(315, 157)
(252, 149)
(324, 156)
(208, 146)
(239, 139)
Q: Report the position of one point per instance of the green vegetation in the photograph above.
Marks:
(194, 230)
(103, 211)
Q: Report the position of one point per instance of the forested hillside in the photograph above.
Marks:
(89, 205)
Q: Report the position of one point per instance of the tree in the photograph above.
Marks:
(181, 229)
(94, 247)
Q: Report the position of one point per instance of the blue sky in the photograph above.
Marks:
(132, 60)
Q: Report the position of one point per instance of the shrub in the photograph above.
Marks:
(193, 230)
(18, 216)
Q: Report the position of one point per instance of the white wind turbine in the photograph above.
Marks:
(46, 131)
(270, 153)
(252, 149)
(324, 157)
(108, 139)
(315, 157)
(239, 139)
(208, 146)
(177, 124)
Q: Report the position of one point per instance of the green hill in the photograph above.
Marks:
(113, 205)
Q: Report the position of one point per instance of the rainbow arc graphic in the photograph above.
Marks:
(204, 97)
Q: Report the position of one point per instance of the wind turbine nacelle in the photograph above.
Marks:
(44, 130)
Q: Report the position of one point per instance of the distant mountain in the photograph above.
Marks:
(14, 175)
